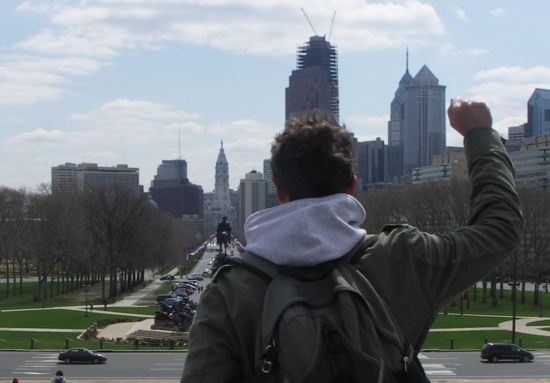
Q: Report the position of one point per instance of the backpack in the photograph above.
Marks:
(327, 324)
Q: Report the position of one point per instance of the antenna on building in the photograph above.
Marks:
(331, 24)
(311, 25)
(407, 58)
(179, 142)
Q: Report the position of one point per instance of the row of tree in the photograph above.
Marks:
(107, 236)
(439, 207)
(112, 236)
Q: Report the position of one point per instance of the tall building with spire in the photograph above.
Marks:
(219, 204)
(396, 129)
(314, 84)
(424, 133)
(222, 201)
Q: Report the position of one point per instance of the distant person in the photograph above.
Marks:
(416, 273)
(59, 377)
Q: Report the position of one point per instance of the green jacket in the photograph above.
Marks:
(417, 273)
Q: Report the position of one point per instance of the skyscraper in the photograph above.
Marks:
(538, 113)
(172, 169)
(253, 195)
(314, 84)
(396, 129)
(369, 163)
(424, 124)
(173, 193)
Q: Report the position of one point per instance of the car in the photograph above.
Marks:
(206, 272)
(195, 277)
(163, 297)
(182, 293)
(168, 277)
(170, 301)
(189, 285)
(493, 352)
(79, 354)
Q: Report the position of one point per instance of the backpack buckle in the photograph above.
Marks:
(266, 367)
(268, 357)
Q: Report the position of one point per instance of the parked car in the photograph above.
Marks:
(493, 352)
(170, 301)
(81, 355)
(163, 297)
(167, 277)
(182, 293)
(189, 285)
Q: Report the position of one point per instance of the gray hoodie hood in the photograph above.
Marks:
(306, 232)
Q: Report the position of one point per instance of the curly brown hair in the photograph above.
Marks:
(312, 157)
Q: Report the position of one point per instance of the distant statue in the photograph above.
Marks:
(223, 234)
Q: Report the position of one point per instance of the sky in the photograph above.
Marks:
(140, 81)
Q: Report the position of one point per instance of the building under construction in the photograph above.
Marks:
(314, 84)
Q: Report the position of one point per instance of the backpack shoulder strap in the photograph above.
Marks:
(258, 265)
(268, 270)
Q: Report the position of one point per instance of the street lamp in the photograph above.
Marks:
(540, 300)
(86, 289)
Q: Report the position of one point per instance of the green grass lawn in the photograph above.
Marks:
(59, 341)
(62, 319)
(478, 315)
(504, 306)
(466, 321)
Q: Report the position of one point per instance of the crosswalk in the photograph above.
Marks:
(38, 365)
(434, 369)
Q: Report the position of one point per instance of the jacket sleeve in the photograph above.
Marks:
(418, 273)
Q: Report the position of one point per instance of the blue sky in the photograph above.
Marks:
(126, 81)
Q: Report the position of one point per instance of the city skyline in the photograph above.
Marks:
(137, 82)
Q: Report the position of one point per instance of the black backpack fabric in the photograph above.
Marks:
(327, 324)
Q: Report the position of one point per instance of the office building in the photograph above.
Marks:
(425, 117)
(532, 162)
(173, 193)
(538, 113)
(253, 195)
(369, 163)
(72, 178)
(396, 130)
(172, 170)
(444, 168)
(314, 84)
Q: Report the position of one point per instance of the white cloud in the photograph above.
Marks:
(460, 14)
(38, 136)
(449, 49)
(12, 93)
(497, 12)
(516, 74)
(367, 128)
(101, 29)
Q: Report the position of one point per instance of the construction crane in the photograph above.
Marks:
(311, 25)
(331, 24)
(313, 28)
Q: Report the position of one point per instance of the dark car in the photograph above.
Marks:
(493, 352)
(162, 297)
(167, 277)
(81, 355)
